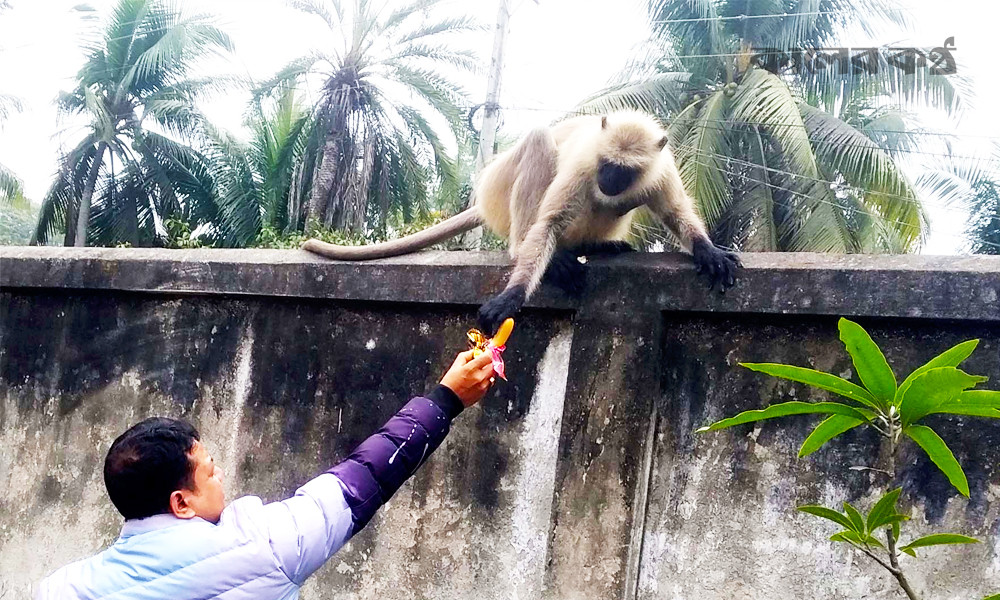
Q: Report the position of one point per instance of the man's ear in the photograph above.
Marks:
(179, 505)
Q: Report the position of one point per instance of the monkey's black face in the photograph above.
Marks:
(613, 179)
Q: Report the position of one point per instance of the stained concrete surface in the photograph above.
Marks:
(580, 478)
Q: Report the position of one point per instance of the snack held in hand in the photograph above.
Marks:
(495, 347)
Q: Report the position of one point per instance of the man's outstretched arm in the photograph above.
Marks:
(330, 509)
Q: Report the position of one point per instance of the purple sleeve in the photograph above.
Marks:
(382, 463)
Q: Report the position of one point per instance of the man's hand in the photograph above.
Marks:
(469, 378)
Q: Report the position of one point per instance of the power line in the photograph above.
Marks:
(800, 126)
(766, 16)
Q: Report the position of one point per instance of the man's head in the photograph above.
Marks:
(159, 466)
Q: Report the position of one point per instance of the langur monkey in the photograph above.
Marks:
(566, 191)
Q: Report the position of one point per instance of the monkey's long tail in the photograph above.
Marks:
(460, 223)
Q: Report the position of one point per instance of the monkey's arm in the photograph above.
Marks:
(560, 206)
(674, 207)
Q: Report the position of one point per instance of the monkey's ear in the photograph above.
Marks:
(604, 121)
(662, 143)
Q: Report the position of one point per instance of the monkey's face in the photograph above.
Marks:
(629, 147)
(614, 179)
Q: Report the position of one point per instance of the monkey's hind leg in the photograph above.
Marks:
(566, 272)
(604, 248)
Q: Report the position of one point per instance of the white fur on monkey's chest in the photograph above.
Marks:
(600, 223)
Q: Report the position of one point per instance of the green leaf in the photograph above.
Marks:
(870, 363)
(783, 410)
(940, 454)
(932, 389)
(883, 509)
(857, 521)
(949, 358)
(827, 430)
(937, 539)
(848, 536)
(828, 514)
(974, 403)
(856, 538)
(993, 597)
(824, 381)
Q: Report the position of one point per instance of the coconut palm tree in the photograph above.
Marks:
(780, 154)
(384, 83)
(984, 233)
(10, 185)
(971, 184)
(130, 173)
(252, 181)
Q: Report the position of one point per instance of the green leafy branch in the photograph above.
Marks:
(896, 412)
(859, 531)
(938, 387)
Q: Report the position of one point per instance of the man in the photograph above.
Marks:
(181, 542)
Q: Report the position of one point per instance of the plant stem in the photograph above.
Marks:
(893, 566)
(874, 557)
(896, 571)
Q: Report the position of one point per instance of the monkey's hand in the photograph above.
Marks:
(498, 309)
(718, 264)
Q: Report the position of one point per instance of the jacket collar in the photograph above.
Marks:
(137, 526)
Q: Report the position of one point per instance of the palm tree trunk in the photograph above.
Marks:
(83, 217)
(70, 234)
(319, 200)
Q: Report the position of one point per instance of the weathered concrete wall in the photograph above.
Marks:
(580, 478)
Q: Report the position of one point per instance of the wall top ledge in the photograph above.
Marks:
(915, 286)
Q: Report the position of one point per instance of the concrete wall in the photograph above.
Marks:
(580, 478)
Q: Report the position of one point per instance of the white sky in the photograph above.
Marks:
(559, 51)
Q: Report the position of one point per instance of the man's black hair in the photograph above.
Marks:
(147, 463)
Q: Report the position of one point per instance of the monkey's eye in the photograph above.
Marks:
(613, 179)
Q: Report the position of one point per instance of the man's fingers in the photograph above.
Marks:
(480, 361)
(463, 357)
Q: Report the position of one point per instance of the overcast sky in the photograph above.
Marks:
(559, 51)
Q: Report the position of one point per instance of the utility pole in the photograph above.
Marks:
(473, 240)
(491, 109)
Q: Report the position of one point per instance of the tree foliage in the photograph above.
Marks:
(781, 156)
(896, 410)
(132, 170)
(375, 147)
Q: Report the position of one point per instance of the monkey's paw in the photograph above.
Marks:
(718, 264)
(499, 308)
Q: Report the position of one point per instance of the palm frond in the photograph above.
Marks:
(10, 188)
(60, 203)
(702, 160)
(884, 190)
(452, 25)
(173, 50)
(401, 14)
(465, 60)
(658, 94)
(287, 76)
(442, 94)
(8, 106)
